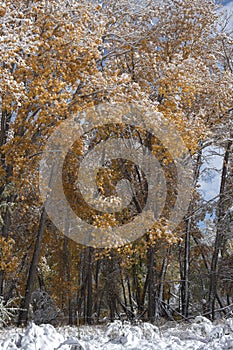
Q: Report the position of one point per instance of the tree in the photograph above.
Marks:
(60, 57)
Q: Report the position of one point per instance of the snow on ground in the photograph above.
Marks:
(199, 334)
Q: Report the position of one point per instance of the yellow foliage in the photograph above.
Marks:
(8, 261)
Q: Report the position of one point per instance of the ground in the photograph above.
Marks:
(199, 334)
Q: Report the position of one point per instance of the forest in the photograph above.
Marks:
(149, 235)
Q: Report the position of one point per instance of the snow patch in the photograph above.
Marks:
(198, 334)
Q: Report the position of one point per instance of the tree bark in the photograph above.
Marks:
(186, 265)
(151, 283)
(68, 276)
(23, 315)
(89, 287)
(219, 235)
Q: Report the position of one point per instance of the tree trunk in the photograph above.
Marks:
(130, 295)
(151, 283)
(185, 283)
(137, 288)
(89, 287)
(219, 235)
(5, 230)
(68, 276)
(4, 128)
(23, 315)
(186, 265)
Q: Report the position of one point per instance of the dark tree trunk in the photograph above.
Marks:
(23, 315)
(89, 287)
(151, 283)
(219, 239)
(185, 283)
(4, 128)
(130, 295)
(185, 287)
(68, 277)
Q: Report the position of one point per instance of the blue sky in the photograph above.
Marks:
(211, 168)
(210, 172)
(228, 4)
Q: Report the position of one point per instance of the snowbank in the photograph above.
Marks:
(200, 334)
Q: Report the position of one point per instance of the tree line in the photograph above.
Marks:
(59, 58)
